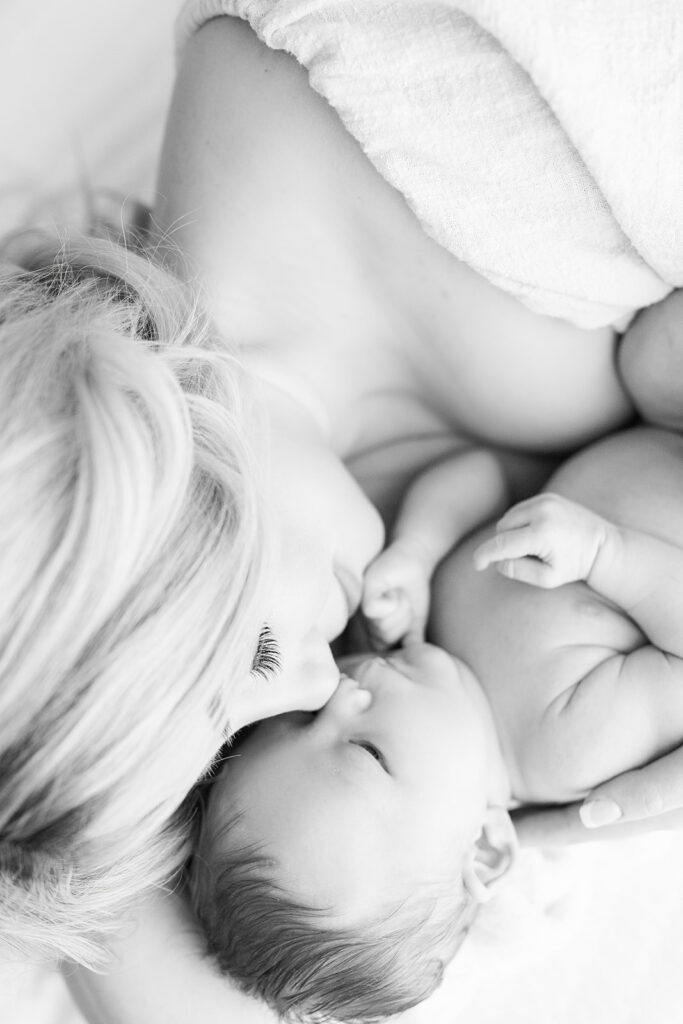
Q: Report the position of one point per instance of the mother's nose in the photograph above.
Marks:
(310, 672)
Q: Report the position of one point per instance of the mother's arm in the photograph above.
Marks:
(161, 976)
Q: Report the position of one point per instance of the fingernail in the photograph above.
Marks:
(595, 813)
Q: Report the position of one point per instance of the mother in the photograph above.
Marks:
(384, 347)
(135, 584)
(375, 345)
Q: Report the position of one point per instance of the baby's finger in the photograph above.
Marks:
(518, 516)
(392, 628)
(381, 633)
(397, 625)
(378, 580)
(528, 570)
(636, 795)
(504, 546)
(379, 606)
(415, 633)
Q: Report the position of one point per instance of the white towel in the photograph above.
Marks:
(541, 142)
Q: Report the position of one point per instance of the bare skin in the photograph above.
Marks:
(336, 293)
(650, 797)
(394, 350)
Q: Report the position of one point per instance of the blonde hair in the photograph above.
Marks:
(131, 557)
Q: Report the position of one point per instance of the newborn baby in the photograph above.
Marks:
(344, 852)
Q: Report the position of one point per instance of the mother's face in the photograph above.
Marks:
(326, 532)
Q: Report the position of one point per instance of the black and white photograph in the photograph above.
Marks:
(341, 512)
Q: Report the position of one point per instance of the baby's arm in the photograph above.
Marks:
(651, 366)
(630, 705)
(549, 540)
(443, 505)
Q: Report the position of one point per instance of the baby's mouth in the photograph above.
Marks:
(371, 669)
(368, 672)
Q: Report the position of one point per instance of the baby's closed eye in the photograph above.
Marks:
(374, 752)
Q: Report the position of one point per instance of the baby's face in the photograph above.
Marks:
(381, 790)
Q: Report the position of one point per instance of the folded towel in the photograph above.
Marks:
(539, 142)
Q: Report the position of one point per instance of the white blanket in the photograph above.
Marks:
(541, 141)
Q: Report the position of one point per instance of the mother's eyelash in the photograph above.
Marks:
(267, 660)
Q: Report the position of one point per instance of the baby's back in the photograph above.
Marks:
(530, 646)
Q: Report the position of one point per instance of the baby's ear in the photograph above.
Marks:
(491, 856)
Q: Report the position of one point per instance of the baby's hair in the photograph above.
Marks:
(279, 949)
(131, 557)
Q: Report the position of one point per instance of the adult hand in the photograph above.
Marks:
(643, 800)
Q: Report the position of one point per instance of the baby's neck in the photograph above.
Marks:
(508, 787)
(502, 767)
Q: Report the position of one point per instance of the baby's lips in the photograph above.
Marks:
(359, 667)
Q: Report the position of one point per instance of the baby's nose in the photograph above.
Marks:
(349, 699)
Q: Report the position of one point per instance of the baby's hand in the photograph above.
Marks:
(396, 595)
(546, 541)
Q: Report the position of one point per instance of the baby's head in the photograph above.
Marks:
(343, 853)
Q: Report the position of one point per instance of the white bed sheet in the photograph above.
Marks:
(594, 936)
